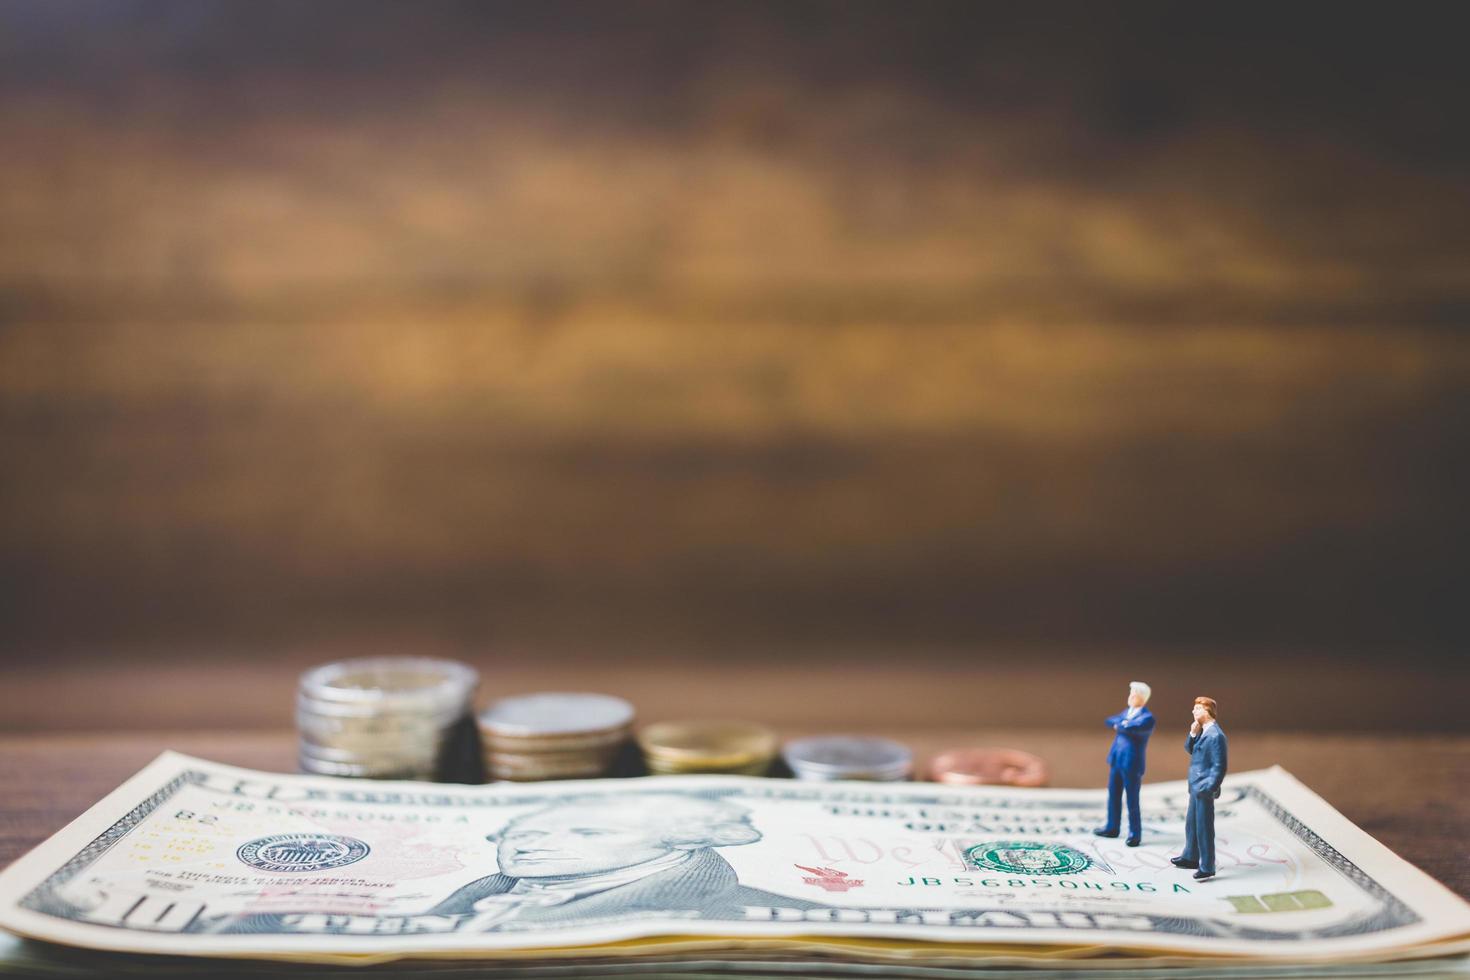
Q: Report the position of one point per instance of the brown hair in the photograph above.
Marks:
(1210, 706)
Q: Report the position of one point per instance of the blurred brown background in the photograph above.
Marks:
(930, 363)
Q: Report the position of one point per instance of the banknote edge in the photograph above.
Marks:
(165, 771)
(1390, 866)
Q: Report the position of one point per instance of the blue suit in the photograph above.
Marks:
(1207, 765)
(1126, 761)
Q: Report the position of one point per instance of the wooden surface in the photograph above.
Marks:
(1408, 791)
(818, 320)
(978, 688)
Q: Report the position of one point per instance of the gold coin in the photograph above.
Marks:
(707, 746)
(757, 768)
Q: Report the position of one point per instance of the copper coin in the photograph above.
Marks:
(988, 767)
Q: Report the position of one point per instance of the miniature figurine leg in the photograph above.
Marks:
(1202, 806)
(1115, 803)
(1189, 857)
(1131, 783)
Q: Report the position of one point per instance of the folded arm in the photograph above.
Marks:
(1137, 725)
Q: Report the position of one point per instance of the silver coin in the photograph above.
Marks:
(379, 713)
(386, 727)
(404, 683)
(376, 746)
(382, 717)
(848, 757)
(555, 713)
(376, 755)
(319, 767)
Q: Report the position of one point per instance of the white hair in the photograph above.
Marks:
(680, 819)
(1139, 687)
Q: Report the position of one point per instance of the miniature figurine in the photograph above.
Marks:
(1207, 763)
(1125, 763)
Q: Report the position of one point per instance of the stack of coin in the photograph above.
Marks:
(387, 718)
(735, 747)
(988, 767)
(554, 736)
(831, 757)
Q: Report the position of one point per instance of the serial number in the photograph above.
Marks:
(965, 881)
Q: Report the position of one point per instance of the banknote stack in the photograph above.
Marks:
(554, 735)
(683, 747)
(832, 757)
(388, 718)
(193, 868)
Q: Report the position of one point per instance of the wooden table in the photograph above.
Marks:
(1408, 791)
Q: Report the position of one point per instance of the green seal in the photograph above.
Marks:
(1026, 857)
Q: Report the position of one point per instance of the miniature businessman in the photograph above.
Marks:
(1125, 762)
(1207, 762)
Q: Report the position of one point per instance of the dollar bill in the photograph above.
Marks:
(193, 858)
